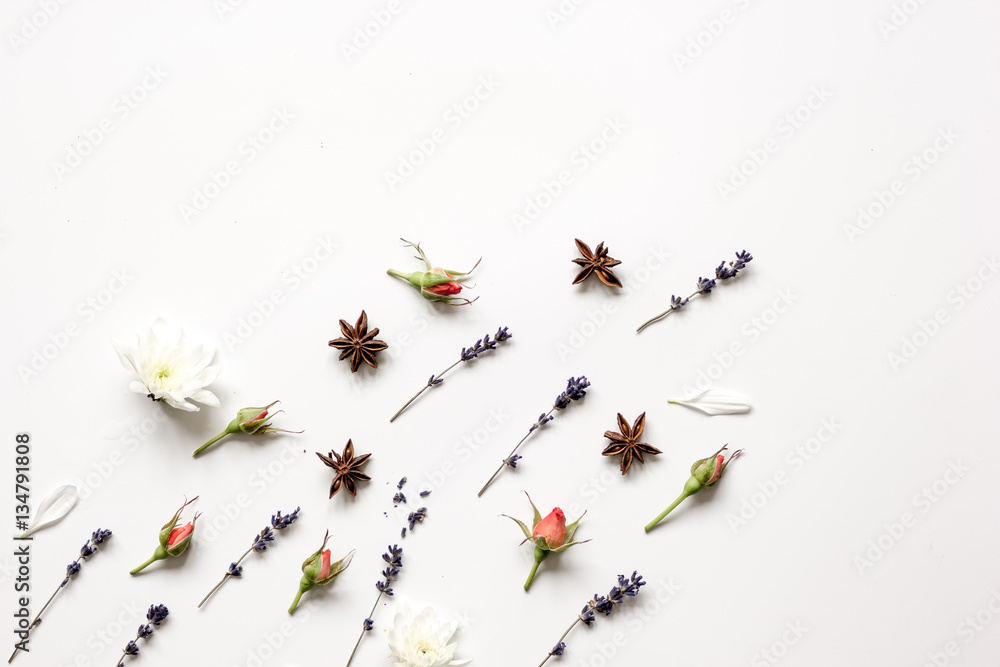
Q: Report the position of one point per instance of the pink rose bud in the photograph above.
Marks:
(705, 472)
(250, 421)
(550, 535)
(435, 283)
(552, 528)
(174, 539)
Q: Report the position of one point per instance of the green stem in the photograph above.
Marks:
(295, 602)
(152, 559)
(213, 441)
(531, 575)
(692, 487)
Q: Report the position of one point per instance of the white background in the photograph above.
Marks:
(858, 294)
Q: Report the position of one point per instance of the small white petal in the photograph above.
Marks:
(716, 402)
(205, 397)
(55, 506)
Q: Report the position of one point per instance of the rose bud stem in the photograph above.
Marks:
(692, 487)
(159, 554)
(540, 555)
(229, 431)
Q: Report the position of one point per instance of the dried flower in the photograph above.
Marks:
(89, 548)
(348, 469)
(549, 535)
(170, 368)
(393, 558)
(716, 402)
(576, 388)
(317, 570)
(156, 615)
(596, 262)
(627, 442)
(259, 544)
(468, 354)
(705, 472)
(174, 539)
(422, 639)
(436, 284)
(705, 285)
(359, 343)
(252, 421)
(627, 587)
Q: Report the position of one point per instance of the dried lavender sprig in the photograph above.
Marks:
(86, 551)
(576, 388)
(705, 285)
(394, 559)
(482, 345)
(156, 615)
(278, 522)
(627, 587)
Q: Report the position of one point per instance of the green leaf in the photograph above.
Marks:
(537, 517)
(567, 546)
(571, 528)
(337, 568)
(524, 529)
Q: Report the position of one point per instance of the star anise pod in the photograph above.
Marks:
(626, 443)
(596, 262)
(359, 343)
(348, 469)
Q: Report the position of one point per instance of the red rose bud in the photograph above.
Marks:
(317, 570)
(550, 535)
(248, 420)
(704, 472)
(552, 528)
(435, 283)
(174, 539)
(444, 289)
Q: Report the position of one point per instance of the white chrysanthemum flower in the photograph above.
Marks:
(422, 639)
(169, 367)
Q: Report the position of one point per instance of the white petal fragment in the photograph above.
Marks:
(55, 506)
(716, 402)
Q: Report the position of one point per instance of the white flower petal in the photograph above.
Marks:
(421, 639)
(205, 397)
(138, 387)
(126, 355)
(55, 506)
(716, 402)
